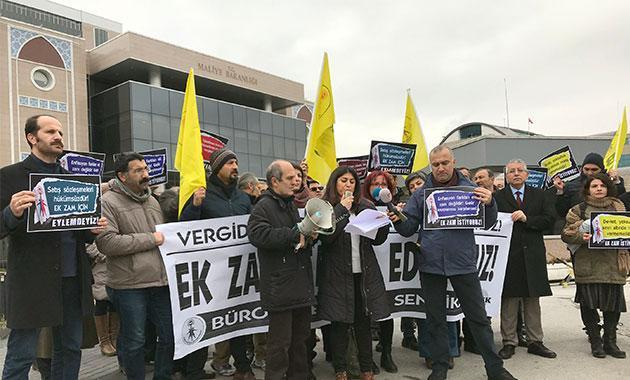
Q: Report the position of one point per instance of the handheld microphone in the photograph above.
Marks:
(347, 194)
(385, 196)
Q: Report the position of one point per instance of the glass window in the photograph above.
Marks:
(141, 125)
(300, 130)
(240, 141)
(300, 148)
(159, 101)
(255, 165)
(141, 145)
(266, 145)
(210, 111)
(278, 148)
(265, 162)
(289, 128)
(240, 118)
(253, 143)
(100, 36)
(43, 78)
(124, 99)
(140, 97)
(289, 149)
(278, 126)
(253, 120)
(243, 162)
(161, 128)
(175, 130)
(228, 133)
(265, 123)
(124, 125)
(125, 146)
(226, 116)
(210, 128)
(176, 102)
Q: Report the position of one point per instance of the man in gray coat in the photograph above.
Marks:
(451, 254)
(137, 282)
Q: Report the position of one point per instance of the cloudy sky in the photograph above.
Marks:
(566, 63)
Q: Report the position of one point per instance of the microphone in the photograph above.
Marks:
(385, 196)
(347, 194)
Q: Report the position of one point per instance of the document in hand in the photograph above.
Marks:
(367, 223)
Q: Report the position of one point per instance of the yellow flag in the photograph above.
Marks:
(613, 155)
(188, 159)
(412, 134)
(321, 155)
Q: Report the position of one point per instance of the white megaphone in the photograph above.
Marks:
(319, 217)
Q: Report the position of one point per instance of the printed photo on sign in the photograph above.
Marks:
(64, 202)
(610, 230)
(157, 163)
(211, 142)
(396, 158)
(537, 177)
(452, 208)
(87, 163)
(560, 163)
(358, 163)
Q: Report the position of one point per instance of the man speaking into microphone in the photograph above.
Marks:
(451, 254)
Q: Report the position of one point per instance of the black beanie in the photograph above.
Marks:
(594, 159)
(218, 158)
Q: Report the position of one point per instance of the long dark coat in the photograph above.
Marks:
(526, 273)
(33, 279)
(335, 278)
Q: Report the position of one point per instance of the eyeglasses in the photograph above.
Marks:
(316, 188)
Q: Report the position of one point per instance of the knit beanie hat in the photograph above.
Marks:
(594, 159)
(218, 158)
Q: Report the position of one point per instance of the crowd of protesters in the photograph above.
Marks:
(115, 275)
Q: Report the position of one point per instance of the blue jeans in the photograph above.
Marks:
(134, 307)
(424, 339)
(22, 345)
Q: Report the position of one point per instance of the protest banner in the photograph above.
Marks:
(396, 158)
(158, 165)
(452, 208)
(211, 142)
(64, 202)
(610, 230)
(560, 163)
(87, 163)
(358, 163)
(213, 275)
(537, 177)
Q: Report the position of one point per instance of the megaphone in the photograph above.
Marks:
(319, 217)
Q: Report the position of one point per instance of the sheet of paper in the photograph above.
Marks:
(367, 223)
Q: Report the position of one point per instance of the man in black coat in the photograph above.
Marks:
(526, 273)
(221, 199)
(286, 276)
(48, 277)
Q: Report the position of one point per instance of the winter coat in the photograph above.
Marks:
(99, 272)
(220, 201)
(526, 272)
(447, 252)
(335, 278)
(286, 276)
(133, 257)
(33, 280)
(593, 266)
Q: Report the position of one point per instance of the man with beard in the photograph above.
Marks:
(48, 277)
(221, 199)
(136, 283)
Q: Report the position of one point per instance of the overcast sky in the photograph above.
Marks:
(566, 63)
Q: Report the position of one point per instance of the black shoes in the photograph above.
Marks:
(507, 351)
(437, 374)
(503, 375)
(387, 362)
(538, 348)
(410, 342)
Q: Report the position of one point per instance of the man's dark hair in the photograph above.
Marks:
(32, 126)
(612, 189)
(122, 162)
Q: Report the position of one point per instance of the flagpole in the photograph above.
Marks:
(507, 109)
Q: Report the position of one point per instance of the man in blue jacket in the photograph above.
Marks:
(451, 254)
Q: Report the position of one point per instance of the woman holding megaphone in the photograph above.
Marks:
(351, 287)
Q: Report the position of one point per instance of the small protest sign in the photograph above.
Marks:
(452, 208)
(610, 230)
(64, 202)
(211, 142)
(396, 158)
(87, 163)
(537, 178)
(560, 163)
(358, 163)
(157, 162)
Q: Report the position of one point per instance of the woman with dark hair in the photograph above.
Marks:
(351, 288)
(599, 274)
(301, 193)
(383, 180)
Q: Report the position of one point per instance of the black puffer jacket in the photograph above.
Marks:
(336, 284)
(220, 201)
(286, 277)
